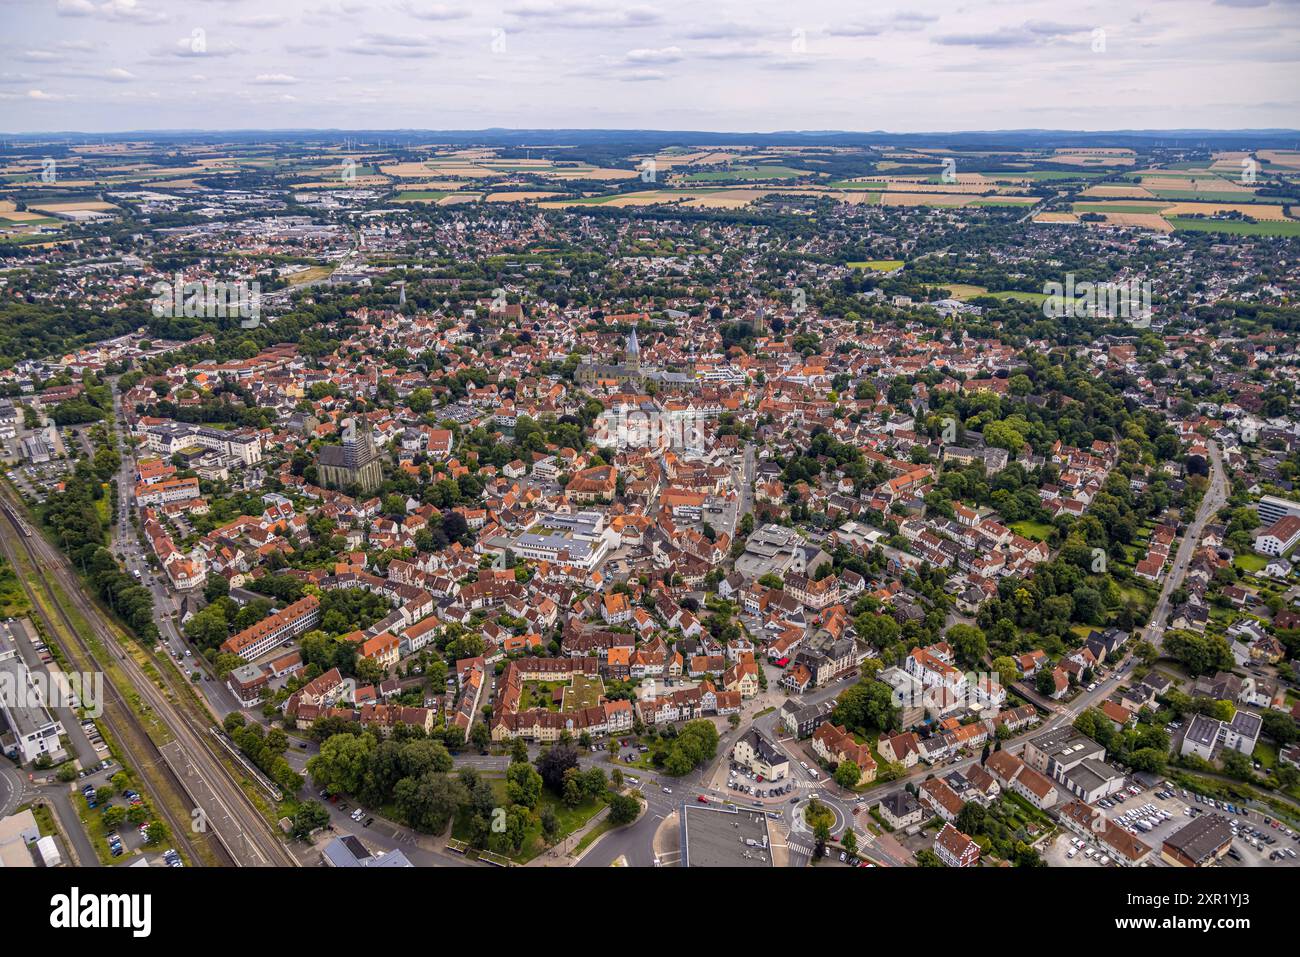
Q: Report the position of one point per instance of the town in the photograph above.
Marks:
(522, 534)
(626, 439)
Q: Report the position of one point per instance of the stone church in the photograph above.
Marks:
(355, 462)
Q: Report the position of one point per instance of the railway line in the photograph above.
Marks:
(187, 769)
(123, 723)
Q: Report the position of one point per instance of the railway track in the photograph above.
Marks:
(138, 749)
(234, 824)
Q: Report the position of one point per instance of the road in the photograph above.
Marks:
(746, 483)
(1216, 494)
(125, 544)
(11, 787)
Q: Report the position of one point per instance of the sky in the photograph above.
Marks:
(724, 65)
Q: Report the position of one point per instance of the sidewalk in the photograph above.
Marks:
(560, 855)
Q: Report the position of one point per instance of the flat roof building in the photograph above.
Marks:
(713, 836)
(30, 727)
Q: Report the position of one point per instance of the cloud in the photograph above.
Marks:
(260, 20)
(663, 55)
(855, 30)
(437, 13)
(398, 45)
(745, 52)
(905, 21)
(792, 63)
(725, 31)
(275, 79)
(1028, 34)
(196, 46)
(314, 51)
(128, 10)
(583, 15)
(641, 76)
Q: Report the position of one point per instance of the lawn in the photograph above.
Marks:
(964, 291)
(1249, 563)
(1038, 531)
(1266, 755)
(540, 695)
(1020, 295)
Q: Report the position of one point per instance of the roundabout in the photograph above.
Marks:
(839, 817)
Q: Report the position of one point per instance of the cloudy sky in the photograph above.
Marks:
(735, 65)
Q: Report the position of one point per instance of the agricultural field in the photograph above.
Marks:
(1237, 227)
(877, 265)
(746, 173)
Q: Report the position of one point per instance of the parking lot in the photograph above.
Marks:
(1069, 850)
(743, 781)
(1150, 815)
(1154, 814)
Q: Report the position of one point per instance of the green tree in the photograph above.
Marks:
(623, 809)
(523, 785)
(847, 774)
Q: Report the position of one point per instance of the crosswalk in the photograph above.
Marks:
(800, 847)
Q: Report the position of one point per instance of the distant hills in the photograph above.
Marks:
(645, 139)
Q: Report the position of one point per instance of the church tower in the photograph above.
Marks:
(632, 353)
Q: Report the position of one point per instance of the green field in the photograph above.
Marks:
(1018, 294)
(964, 291)
(1038, 531)
(1236, 227)
(429, 194)
(1249, 563)
(877, 265)
(747, 173)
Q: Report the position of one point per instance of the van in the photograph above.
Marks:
(813, 773)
